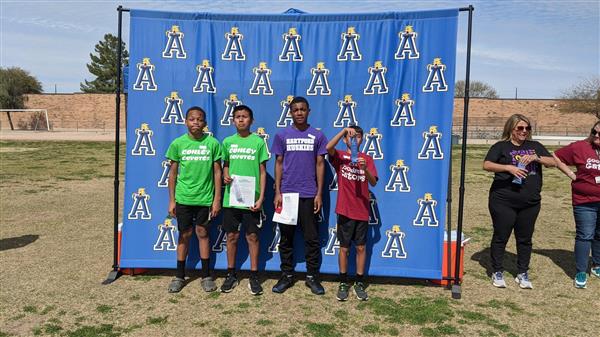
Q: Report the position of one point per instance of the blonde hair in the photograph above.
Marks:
(511, 123)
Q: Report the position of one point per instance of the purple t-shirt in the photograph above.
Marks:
(299, 150)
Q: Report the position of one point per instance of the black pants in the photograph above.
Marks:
(505, 218)
(307, 222)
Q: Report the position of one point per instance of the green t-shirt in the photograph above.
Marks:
(244, 154)
(195, 185)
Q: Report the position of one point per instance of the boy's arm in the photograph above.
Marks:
(320, 178)
(226, 177)
(564, 168)
(336, 139)
(172, 181)
(278, 174)
(216, 205)
(362, 163)
(263, 184)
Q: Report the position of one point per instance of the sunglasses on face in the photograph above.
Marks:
(594, 132)
(523, 128)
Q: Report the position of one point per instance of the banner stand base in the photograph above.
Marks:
(456, 292)
(112, 276)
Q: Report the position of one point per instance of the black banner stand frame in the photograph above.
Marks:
(455, 280)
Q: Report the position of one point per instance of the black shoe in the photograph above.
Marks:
(283, 284)
(230, 282)
(315, 286)
(254, 286)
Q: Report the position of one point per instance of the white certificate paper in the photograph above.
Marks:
(241, 192)
(289, 209)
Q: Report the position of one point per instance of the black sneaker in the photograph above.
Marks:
(283, 284)
(359, 290)
(342, 294)
(230, 282)
(315, 286)
(254, 286)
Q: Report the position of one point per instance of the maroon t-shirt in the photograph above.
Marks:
(353, 186)
(581, 154)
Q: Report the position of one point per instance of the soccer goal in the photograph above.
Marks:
(27, 119)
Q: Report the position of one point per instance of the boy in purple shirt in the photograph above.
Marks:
(300, 168)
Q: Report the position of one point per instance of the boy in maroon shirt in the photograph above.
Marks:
(352, 206)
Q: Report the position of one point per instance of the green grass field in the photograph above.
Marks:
(56, 248)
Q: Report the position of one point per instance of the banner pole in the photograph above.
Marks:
(456, 289)
(115, 272)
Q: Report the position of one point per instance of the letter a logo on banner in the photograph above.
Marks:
(261, 80)
(233, 46)
(145, 76)
(265, 137)
(346, 115)
(166, 236)
(164, 177)
(174, 43)
(332, 243)
(291, 46)
(431, 145)
(230, 103)
(372, 145)
(426, 212)
(319, 81)
(404, 112)
(173, 112)
(398, 179)
(285, 118)
(143, 142)
(221, 241)
(436, 81)
(205, 80)
(377, 83)
(408, 44)
(274, 246)
(349, 46)
(140, 208)
(394, 246)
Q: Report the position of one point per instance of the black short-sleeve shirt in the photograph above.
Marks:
(507, 153)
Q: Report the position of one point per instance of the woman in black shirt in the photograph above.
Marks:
(514, 201)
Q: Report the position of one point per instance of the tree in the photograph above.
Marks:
(476, 89)
(104, 66)
(582, 97)
(14, 84)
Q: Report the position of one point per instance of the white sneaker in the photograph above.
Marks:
(523, 281)
(498, 280)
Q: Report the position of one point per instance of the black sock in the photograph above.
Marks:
(180, 269)
(204, 272)
(254, 274)
(230, 271)
(344, 277)
(359, 278)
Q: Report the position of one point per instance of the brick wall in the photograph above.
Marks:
(97, 111)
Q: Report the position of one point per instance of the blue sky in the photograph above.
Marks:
(539, 47)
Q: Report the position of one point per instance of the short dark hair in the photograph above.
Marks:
(243, 107)
(300, 99)
(196, 108)
(358, 129)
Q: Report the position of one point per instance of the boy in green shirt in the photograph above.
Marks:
(245, 156)
(194, 192)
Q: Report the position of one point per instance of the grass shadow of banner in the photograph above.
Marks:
(17, 242)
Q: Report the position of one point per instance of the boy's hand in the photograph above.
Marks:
(362, 163)
(318, 204)
(350, 132)
(214, 209)
(172, 208)
(277, 200)
(227, 179)
(257, 206)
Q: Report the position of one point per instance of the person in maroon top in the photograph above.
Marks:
(352, 206)
(585, 191)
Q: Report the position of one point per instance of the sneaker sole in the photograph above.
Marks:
(499, 285)
(580, 286)
(360, 298)
(341, 299)
(522, 286)
(254, 293)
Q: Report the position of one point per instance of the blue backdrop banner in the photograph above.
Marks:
(391, 73)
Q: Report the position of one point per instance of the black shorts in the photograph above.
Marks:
(234, 218)
(349, 230)
(190, 216)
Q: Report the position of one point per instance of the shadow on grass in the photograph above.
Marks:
(17, 242)
(562, 258)
(484, 259)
